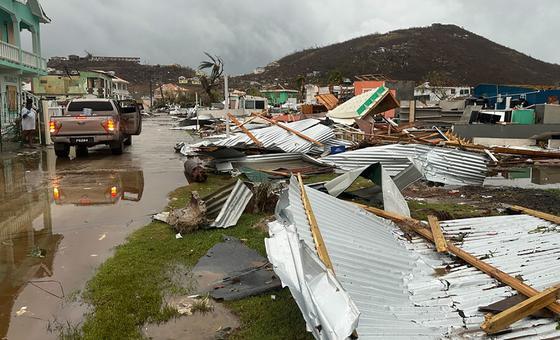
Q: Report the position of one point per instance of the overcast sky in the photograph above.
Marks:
(251, 33)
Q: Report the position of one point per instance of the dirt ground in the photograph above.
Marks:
(486, 200)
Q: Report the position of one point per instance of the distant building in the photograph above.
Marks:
(426, 92)
(120, 89)
(507, 96)
(279, 95)
(101, 84)
(17, 64)
(259, 70)
(113, 59)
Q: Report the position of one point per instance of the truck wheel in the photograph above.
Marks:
(61, 150)
(128, 140)
(81, 151)
(117, 147)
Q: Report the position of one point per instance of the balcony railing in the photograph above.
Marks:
(18, 56)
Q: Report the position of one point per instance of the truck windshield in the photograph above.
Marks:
(83, 107)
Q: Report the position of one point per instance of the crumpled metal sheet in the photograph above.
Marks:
(393, 282)
(393, 200)
(371, 264)
(227, 204)
(326, 307)
(437, 164)
(277, 138)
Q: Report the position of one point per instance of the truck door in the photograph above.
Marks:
(131, 119)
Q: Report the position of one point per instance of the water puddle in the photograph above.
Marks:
(61, 218)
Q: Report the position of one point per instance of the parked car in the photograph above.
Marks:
(89, 122)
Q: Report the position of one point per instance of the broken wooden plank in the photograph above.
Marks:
(491, 155)
(548, 217)
(244, 129)
(317, 237)
(439, 239)
(494, 272)
(295, 132)
(502, 320)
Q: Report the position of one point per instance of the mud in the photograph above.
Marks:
(61, 218)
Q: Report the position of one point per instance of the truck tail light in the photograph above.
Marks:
(54, 127)
(113, 192)
(56, 194)
(109, 125)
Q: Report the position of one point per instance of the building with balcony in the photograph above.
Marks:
(120, 89)
(19, 22)
(75, 84)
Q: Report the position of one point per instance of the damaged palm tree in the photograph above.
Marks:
(209, 82)
(190, 218)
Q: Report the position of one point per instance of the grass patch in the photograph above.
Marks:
(264, 318)
(445, 211)
(130, 288)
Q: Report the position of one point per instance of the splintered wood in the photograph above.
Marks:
(515, 313)
(439, 239)
(317, 237)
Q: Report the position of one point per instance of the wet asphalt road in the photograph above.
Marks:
(61, 218)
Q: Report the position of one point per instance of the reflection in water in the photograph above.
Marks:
(27, 243)
(98, 187)
(528, 178)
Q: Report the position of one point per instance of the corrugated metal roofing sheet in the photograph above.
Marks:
(437, 164)
(227, 204)
(276, 138)
(393, 282)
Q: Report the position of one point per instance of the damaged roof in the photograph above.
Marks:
(394, 284)
(368, 103)
(437, 164)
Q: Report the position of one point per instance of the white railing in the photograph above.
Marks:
(9, 52)
(17, 55)
(29, 59)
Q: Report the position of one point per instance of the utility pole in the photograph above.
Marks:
(226, 102)
(151, 90)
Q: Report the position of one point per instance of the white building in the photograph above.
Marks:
(426, 92)
(120, 89)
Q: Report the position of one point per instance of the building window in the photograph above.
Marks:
(249, 104)
(259, 104)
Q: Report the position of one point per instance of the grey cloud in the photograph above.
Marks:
(251, 33)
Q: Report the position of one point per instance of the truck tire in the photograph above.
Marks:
(61, 150)
(118, 147)
(81, 151)
(128, 140)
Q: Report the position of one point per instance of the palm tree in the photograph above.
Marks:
(209, 82)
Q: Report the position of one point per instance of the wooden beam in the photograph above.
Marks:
(491, 155)
(439, 239)
(295, 132)
(317, 237)
(494, 272)
(244, 129)
(548, 217)
(515, 313)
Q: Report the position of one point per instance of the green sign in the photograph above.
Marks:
(375, 96)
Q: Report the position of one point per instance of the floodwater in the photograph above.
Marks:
(527, 178)
(61, 218)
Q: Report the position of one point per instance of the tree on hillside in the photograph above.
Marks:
(300, 85)
(211, 81)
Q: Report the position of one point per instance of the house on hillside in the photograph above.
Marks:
(19, 22)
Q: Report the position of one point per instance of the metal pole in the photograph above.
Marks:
(226, 102)
(196, 109)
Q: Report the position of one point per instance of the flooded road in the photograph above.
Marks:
(61, 218)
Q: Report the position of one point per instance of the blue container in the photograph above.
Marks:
(337, 149)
